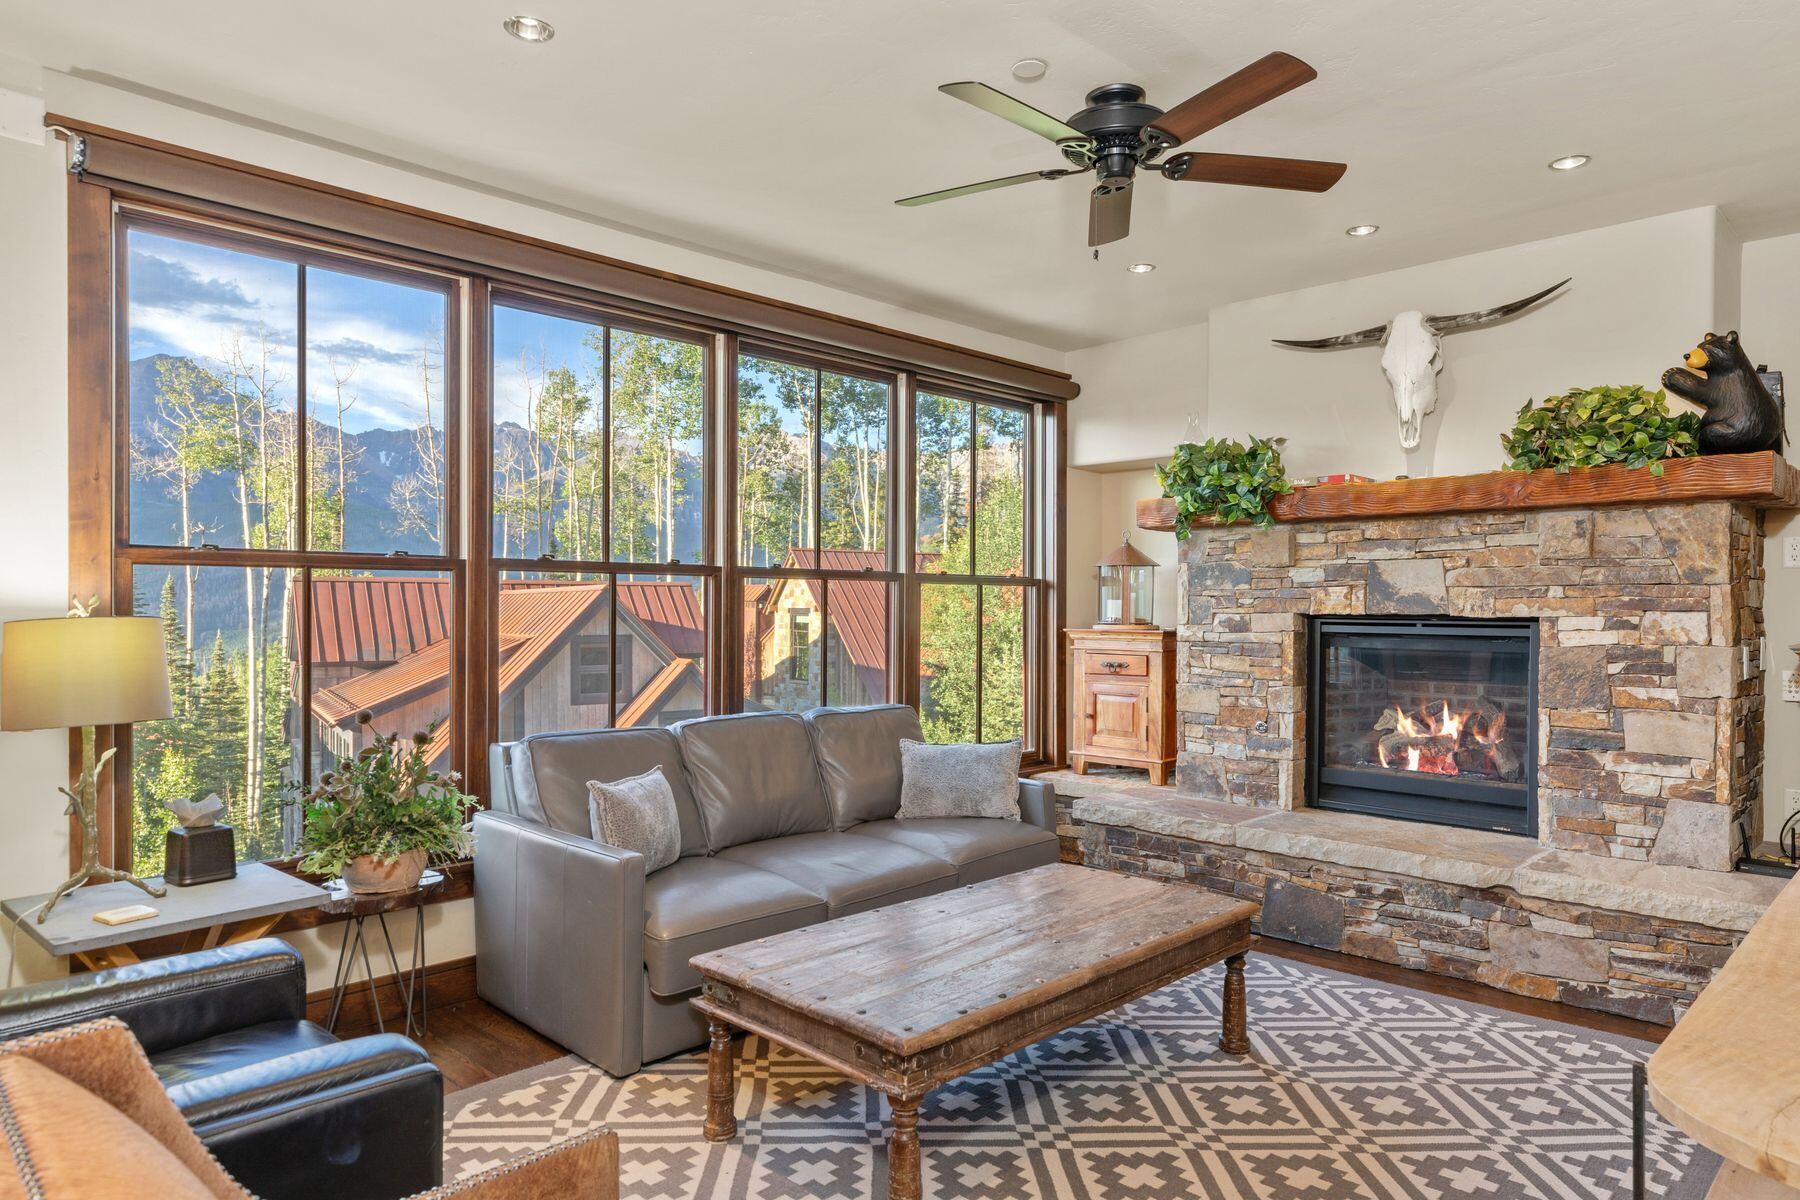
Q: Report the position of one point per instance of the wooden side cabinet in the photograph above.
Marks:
(1124, 702)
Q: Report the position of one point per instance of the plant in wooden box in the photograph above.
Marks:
(380, 817)
(1590, 427)
(1224, 480)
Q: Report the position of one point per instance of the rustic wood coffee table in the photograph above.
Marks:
(908, 997)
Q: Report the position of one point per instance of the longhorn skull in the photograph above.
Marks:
(1410, 356)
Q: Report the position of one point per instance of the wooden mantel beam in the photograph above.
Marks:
(1765, 480)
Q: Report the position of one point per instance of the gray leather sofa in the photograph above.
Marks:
(785, 821)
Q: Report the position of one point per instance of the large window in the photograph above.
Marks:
(813, 488)
(598, 447)
(285, 434)
(371, 495)
(975, 607)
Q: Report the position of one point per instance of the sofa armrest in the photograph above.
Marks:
(171, 1001)
(358, 1120)
(559, 936)
(276, 1081)
(1037, 804)
(586, 1167)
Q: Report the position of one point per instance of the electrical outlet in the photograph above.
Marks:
(1790, 686)
(1772, 822)
(1790, 551)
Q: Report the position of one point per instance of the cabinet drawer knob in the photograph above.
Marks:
(1112, 664)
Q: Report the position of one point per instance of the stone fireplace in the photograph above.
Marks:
(1647, 713)
(1425, 719)
(1504, 728)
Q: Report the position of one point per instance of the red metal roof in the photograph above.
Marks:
(672, 609)
(534, 619)
(376, 619)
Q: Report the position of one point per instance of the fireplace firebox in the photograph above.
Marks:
(1425, 719)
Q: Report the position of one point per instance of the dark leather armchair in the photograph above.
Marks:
(288, 1109)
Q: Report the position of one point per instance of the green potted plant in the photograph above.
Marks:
(1589, 427)
(378, 819)
(1224, 480)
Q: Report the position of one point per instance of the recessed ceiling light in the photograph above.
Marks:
(1030, 70)
(1569, 162)
(1363, 230)
(1141, 268)
(529, 29)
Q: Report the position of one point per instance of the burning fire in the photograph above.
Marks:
(1436, 741)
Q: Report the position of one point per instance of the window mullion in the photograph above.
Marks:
(606, 446)
(301, 493)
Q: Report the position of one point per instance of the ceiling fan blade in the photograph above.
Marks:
(1109, 215)
(1250, 170)
(1260, 82)
(1017, 111)
(986, 185)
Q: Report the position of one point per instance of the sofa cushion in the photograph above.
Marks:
(753, 777)
(551, 773)
(63, 1140)
(961, 780)
(851, 874)
(859, 758)
(702, 904)
(637, 814)
(979, 847)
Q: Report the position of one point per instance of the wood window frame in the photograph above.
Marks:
(120, 172)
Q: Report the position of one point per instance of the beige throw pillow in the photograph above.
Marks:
(637, 814)
(959, 780)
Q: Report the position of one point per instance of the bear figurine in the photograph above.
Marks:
(1741, 416)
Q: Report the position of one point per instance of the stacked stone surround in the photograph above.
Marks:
(1633, 938)
(1650, 690)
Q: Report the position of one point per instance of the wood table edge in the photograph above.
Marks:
(910, 1050)
(715, 966)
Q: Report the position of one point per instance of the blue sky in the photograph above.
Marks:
(195, 300)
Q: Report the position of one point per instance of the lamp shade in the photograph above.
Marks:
(65, 672)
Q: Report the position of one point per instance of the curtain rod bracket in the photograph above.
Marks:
(78, 149)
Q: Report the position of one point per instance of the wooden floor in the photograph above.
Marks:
(473, 1042)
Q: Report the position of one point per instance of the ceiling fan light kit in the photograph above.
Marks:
(1120, 133)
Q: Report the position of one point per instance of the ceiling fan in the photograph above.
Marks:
(1118, 133)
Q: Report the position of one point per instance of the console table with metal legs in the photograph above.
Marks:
(359, 908)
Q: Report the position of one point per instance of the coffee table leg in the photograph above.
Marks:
(1233, 1036)
(721, 1083)
(903, 1151)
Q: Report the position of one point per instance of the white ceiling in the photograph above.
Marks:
(780, 132)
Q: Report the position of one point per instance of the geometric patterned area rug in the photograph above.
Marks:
(1353, 1089)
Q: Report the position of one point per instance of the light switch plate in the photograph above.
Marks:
(1790, 551)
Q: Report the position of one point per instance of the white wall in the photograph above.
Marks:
(1149, 393)
(1642, 294)
(33, 399)
(1770, 326)
(34, 524)
(1102, 507)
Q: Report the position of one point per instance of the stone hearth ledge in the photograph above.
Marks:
(1433, 853)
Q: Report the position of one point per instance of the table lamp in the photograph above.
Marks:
(80, 672)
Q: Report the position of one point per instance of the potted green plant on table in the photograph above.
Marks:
(1224, 481)
(1590, 427)
(379, 818)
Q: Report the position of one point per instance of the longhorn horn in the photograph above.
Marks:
(1470, 319)
(1361, 337)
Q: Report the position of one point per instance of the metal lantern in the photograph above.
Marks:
(1127, 576)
